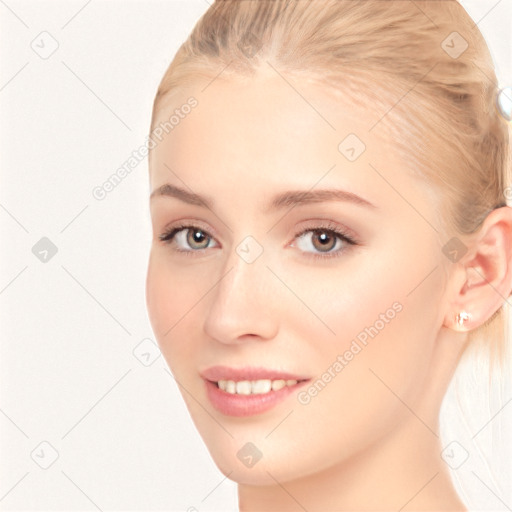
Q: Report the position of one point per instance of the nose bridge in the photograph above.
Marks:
(246, 267)
(240, 304)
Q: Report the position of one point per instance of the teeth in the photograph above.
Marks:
(254, 387)
(261, 386)
(278, 384)
(243, 387)
(230, 386)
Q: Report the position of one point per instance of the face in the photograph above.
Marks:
(290, 257)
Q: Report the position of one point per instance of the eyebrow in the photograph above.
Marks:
(285, 199)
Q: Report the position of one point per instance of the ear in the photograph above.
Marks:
(487, 273)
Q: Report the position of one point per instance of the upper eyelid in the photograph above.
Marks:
(337, 231)
(340, 230)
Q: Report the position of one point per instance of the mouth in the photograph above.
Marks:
(248, 391)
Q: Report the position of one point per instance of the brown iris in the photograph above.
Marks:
(323, 240)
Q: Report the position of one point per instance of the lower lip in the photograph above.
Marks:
(247, 405)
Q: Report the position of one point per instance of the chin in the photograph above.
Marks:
(243, 462)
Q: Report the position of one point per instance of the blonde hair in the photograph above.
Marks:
(438, 108)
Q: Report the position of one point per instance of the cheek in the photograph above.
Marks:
(360, 387)
(342, 301)
(376, 335)
(390, 301)
(160, 300)
(170, 299)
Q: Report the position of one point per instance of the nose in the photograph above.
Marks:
(241, 307)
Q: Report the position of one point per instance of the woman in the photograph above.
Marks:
(330, 234)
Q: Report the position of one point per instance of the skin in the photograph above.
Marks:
(370, 439)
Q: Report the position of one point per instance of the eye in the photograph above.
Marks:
(323, 241)
(188, 238)
(320, 241)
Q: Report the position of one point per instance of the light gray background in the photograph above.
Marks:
(69, 327)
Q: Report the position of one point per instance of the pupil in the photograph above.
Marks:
(325, 240)
(196, 237)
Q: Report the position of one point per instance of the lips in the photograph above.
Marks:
(249, 391)
(216, 373)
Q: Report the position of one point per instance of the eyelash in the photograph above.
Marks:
(328, 227)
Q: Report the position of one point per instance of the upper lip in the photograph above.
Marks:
(216, 373)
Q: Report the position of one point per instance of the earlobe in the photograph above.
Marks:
(488, 269)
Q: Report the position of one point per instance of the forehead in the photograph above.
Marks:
(272, 132)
